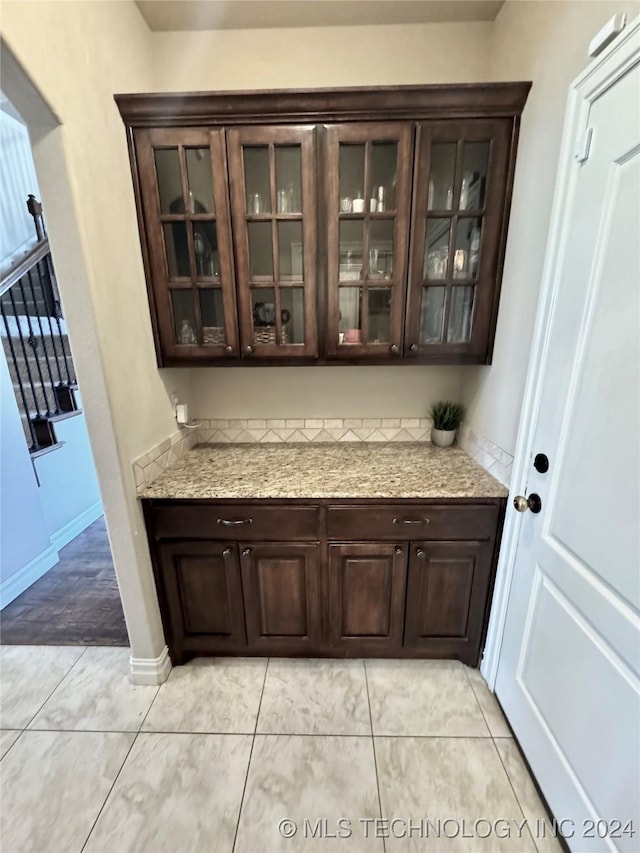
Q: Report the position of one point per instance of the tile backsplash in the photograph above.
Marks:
(315, 430)
(151, 464)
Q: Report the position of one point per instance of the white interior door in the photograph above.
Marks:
(568, 671)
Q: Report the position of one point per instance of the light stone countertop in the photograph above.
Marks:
(340, 470)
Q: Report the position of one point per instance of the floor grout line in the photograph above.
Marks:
(80, 656)
(20, 733)
(478, 703)
(102, 807)
(246, 778)
(515, 793)
(373, 744)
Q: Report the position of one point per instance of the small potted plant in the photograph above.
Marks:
(446, 417)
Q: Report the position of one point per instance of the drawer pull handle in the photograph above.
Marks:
(233, 522)
(411, 520)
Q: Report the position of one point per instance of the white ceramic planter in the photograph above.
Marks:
(442, 437)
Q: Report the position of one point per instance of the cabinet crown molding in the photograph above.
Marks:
(212, 109)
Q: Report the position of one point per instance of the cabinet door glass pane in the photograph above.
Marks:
(205, 246)
(175, 239)
(290, 250)
(432, 314)
(443, 164)
(200, 180)
(436, 249)
(381, 249)
(351, 233)
(256, 177)
(184, 317)
(467, 251)
(288, 183)
(379, 315)
(460, 314)
(384, 158)
(352, 178)
(212, 313)
(169, 183)
(263, 307)
(292, 315)
(350, 315)
(474, 175)
(260, 250)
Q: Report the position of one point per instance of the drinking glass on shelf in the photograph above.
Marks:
(437, 262)
(283, 201)
(256, 203)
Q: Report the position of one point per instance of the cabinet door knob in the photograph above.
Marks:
(246, 552)
(248, 349)
(398, 551)
(394, 349)
(414, 347)
(226, 552)
(419, 552)
(228, 349)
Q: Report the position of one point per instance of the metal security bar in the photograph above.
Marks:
(35, 341)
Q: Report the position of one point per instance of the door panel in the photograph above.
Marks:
(458, 214)
(368, 168)
(447, 585)
(183, 183)
(281, 585)
(201, 582)
(569, 668)
(272, 172)
(367, 595)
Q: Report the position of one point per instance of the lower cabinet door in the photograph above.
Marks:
(282, 597)
(367, 597)
(447, 590)
(203, 598)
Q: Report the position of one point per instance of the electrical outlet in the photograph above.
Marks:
(182, 413)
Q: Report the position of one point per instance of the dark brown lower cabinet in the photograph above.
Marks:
(447, 589)
(347, 581)
(366, 596)
(202, 598)
(281, 588)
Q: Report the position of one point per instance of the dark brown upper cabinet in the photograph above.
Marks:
(272, 176)
(459, 213)
(183, 182)
(368, 195)
(325, 226)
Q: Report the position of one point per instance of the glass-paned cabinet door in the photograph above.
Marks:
(184, 196)
(273, 184)
(368, 169)
(460, 190)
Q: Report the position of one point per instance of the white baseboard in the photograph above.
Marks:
(75, 527)
(150, 670)
(13, 586)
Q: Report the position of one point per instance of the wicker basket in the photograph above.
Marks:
(213, 336)
(267, 335)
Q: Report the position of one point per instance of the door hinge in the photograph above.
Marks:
(583, 148)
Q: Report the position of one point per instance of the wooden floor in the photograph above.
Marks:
(76, 603)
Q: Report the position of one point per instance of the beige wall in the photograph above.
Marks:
(77, 55)
(325, 56)
(545, 42)
(336, 56)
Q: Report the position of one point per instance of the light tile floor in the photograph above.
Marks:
(223, 752)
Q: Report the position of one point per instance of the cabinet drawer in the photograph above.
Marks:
(412, 521)
(229, 521)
